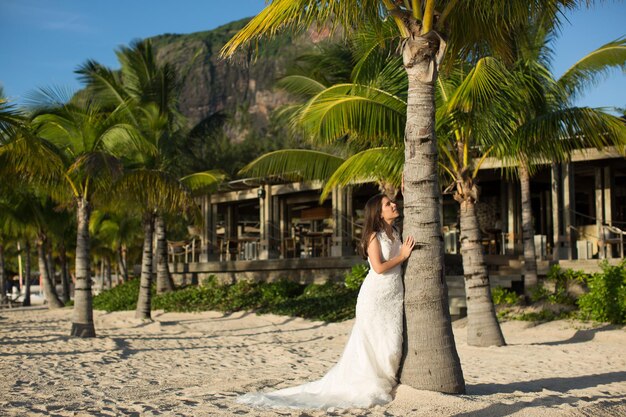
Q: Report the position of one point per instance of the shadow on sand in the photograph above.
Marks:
(581, 336)
(561, 385)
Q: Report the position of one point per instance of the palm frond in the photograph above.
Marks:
(10, 120)
(383, 164)
(556, 134)
(298, 15)
(300, 85)
(103, 83)
(482, 85)
(204, 182)
(593, 67)
(295, 164)
(154, 190)
(365, 113)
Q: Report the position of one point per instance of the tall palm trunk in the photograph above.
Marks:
(50, 262)
(482, 325)
(26, 301)
(65, 279)
(121, 262)
(107, 272)
(528, 232)
(430, 360)
(49, 287)
(144, 301)
(82, 317)
(3, 277)
(164, 278)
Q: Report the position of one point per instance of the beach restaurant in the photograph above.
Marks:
(264, 229)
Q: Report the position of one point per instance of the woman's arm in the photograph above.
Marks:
(378, 265)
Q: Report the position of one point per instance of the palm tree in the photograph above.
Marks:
(471, 120)
(76, 136)
(423, 26)
(547, 126)
(146, 92)
(466, 101)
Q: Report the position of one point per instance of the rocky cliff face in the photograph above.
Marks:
(241, 88)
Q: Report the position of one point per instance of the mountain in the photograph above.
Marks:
(240, 88)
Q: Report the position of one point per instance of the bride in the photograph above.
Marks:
(366, 371)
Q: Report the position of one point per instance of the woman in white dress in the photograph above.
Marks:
(366, 371)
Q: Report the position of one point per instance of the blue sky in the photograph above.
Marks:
(45, 40)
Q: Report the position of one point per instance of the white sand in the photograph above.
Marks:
(195, 364)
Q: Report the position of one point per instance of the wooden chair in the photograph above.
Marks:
(289, 247)
(611, 235)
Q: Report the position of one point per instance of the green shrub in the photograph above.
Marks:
(606, 299)
(327, 302)
(118, 298)
(562, 279)
(273, 293)
(502, 296)
(543, 315)
(356, 276)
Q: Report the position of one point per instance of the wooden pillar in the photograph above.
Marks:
(265, 213)
(230, 223)
(556, 211)
(568, 198)
(607, 203)
(341, 236)
(205, 234)
(607, 197)
(282, 225)
(511, 218)
(599, 188)
(215, 249)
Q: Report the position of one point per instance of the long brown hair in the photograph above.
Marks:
(374, 222)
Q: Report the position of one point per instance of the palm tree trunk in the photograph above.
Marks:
(101, 274)
(82, 317)
(3, 277)
(50, 263)
(164, 278)
(65, 279)
(430, 360)
(49, 289)
(121, 261)
(26, 301)
(144, 301)
(528, 232)
(482, 325)
(107, 272)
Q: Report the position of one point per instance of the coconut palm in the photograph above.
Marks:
(423, 26)
(547, 124)
(359, 113)
(467, 102)
(145, 90)
(66, 149)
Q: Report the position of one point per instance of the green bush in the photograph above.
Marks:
(543, 315)
(502, 296)
(562, 279)
(327, 302)
(606, 299)
(118, 298)
(356, 276)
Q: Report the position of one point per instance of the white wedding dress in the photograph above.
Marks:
(366, 371)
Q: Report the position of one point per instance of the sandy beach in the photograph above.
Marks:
(186, 364)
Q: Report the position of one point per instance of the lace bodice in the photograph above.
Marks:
(389, 249)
